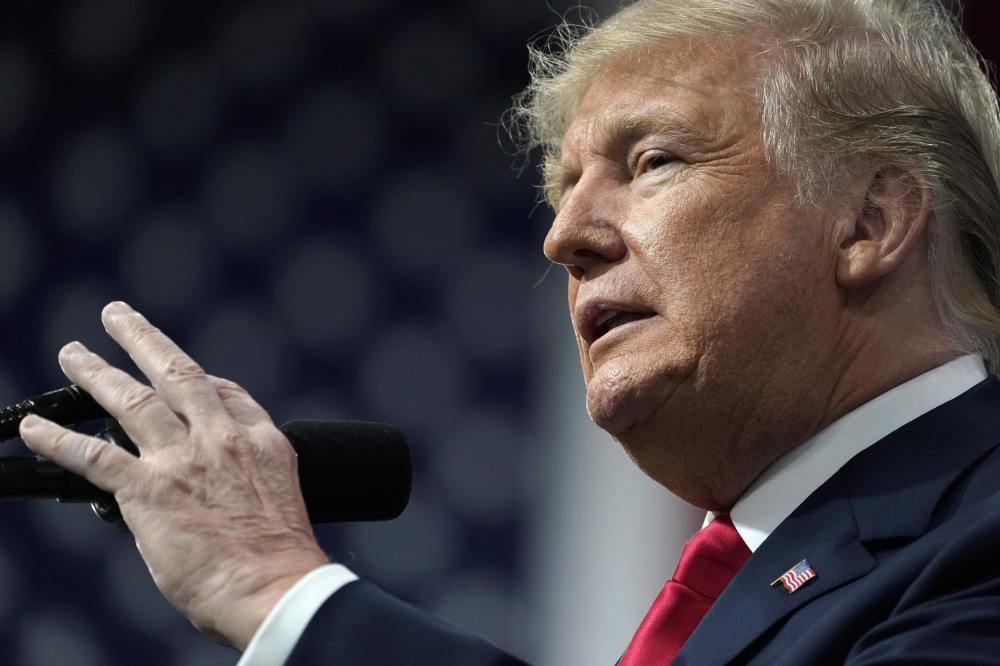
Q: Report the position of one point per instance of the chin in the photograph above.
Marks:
(617, 406)
(629, 390)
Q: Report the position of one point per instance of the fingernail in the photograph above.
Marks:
(116, 308)
(75, 347)
(71, 350)
(29, 422)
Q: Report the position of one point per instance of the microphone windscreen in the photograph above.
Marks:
(351, 470)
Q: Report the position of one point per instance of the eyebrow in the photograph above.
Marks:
(630, 125)
(613, 128)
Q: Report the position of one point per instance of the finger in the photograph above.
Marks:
(176, 377)
(104, 464)
(241, 406)
(145, 417)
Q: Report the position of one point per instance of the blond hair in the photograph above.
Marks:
(845, 80)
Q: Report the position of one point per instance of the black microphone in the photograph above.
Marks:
(348, 470)
(66, 406)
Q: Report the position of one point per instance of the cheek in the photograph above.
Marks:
(690, 253)
(572, 291)
(729, 279)
(756, 289)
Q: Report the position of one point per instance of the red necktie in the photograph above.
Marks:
(708, 562)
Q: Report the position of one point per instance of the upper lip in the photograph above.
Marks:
(590, 314)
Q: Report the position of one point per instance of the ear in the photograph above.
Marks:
(886, 229)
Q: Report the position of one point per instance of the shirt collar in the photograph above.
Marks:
(793, 477)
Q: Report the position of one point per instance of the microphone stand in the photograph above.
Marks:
(26, 477)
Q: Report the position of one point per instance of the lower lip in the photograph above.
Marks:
(611, 336)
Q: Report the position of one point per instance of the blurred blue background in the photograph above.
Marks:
(311, 199)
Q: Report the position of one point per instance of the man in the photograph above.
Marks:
(778, 218)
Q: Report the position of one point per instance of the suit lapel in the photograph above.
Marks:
(890, 490)
(823, 531)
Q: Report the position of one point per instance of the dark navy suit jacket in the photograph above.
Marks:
(904, 540)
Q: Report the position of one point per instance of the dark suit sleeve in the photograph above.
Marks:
(951, 613)
(361, 625)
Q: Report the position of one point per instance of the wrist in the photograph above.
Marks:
(264, 586)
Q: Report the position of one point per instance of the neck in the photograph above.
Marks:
(888, 334)
(784, 412)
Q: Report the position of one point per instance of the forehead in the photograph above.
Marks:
(694, 91)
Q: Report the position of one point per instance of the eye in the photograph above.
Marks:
(653, 160)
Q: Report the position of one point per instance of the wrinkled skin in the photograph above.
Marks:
(213, 499)
(761, 327)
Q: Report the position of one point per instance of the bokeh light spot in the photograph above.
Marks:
(240, 343)
(100, 34)
(488, 304)
(20, 254)
(335, 137)
(431, 64)
(328, 292)
(180, 104)
(166, 262)
(96, 182)
(426, 223)
(250, 197)
(414, 377)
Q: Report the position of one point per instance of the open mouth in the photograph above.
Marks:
(608, 320)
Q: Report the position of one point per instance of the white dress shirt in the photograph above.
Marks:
(772, 497)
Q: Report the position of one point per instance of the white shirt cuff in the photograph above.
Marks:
(281, 629)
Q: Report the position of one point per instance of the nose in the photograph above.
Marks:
(585, 233)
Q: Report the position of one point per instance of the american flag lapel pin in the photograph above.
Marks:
(796, 577)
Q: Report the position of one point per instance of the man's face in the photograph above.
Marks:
(703, 298)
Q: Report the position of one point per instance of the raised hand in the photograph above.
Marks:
(213, 498)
